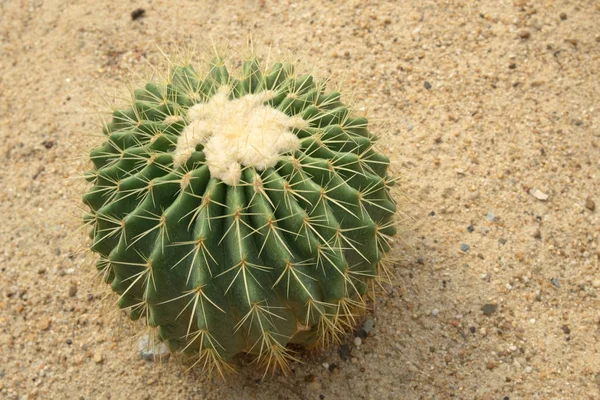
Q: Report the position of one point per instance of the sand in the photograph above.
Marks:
(489, 109)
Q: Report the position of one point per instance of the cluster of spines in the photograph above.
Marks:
(288, 253)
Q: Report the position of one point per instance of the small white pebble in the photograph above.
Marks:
(532, 320)
(325, 365)
(513, 348)
(357, 341)
(68, 80)
(528, 370)
(435, 312)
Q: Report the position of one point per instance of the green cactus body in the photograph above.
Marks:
(240, 215)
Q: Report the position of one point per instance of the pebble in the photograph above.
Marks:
(524, 34)
(44, 324)
(590, 204)
(344, 352)
(314, 386)
(491, 365)
(474, 196)
(464, 247)
(357, 341)
(566, 329)
(72, 289)
(489, 309)
(435, 312)
(98, 357)
(537, 234)
(148, 353)
(596, 283)
(471, 228)
(555, 282)
(538, 194)
(490, 216)
(368, 325)
(137, 14)
(427, 85)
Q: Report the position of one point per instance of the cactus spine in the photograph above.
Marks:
(240, 214)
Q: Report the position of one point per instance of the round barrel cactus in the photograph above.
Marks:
(240, 213)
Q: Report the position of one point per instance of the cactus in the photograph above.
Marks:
(240, 214)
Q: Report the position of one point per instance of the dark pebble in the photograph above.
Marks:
(69, 341)
(590, 204)
(512, 66)
(555, 282)
(432, 214)
(524, 34)
(566, 329)
(368, 325)
(563, 16)
(427, 85)
(137, 14)
(361, 333)
(321, 396)
(489, 309)
(420, 260)
(464, 247)
(48, 143)
(502, 241)
(471, 228)
(332, 367)
(472, 329)
(344, 352)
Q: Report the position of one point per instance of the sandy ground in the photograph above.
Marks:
(484, 103)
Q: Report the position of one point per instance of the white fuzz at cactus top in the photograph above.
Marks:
(238, 132)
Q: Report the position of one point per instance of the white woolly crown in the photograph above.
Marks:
(238, 132)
